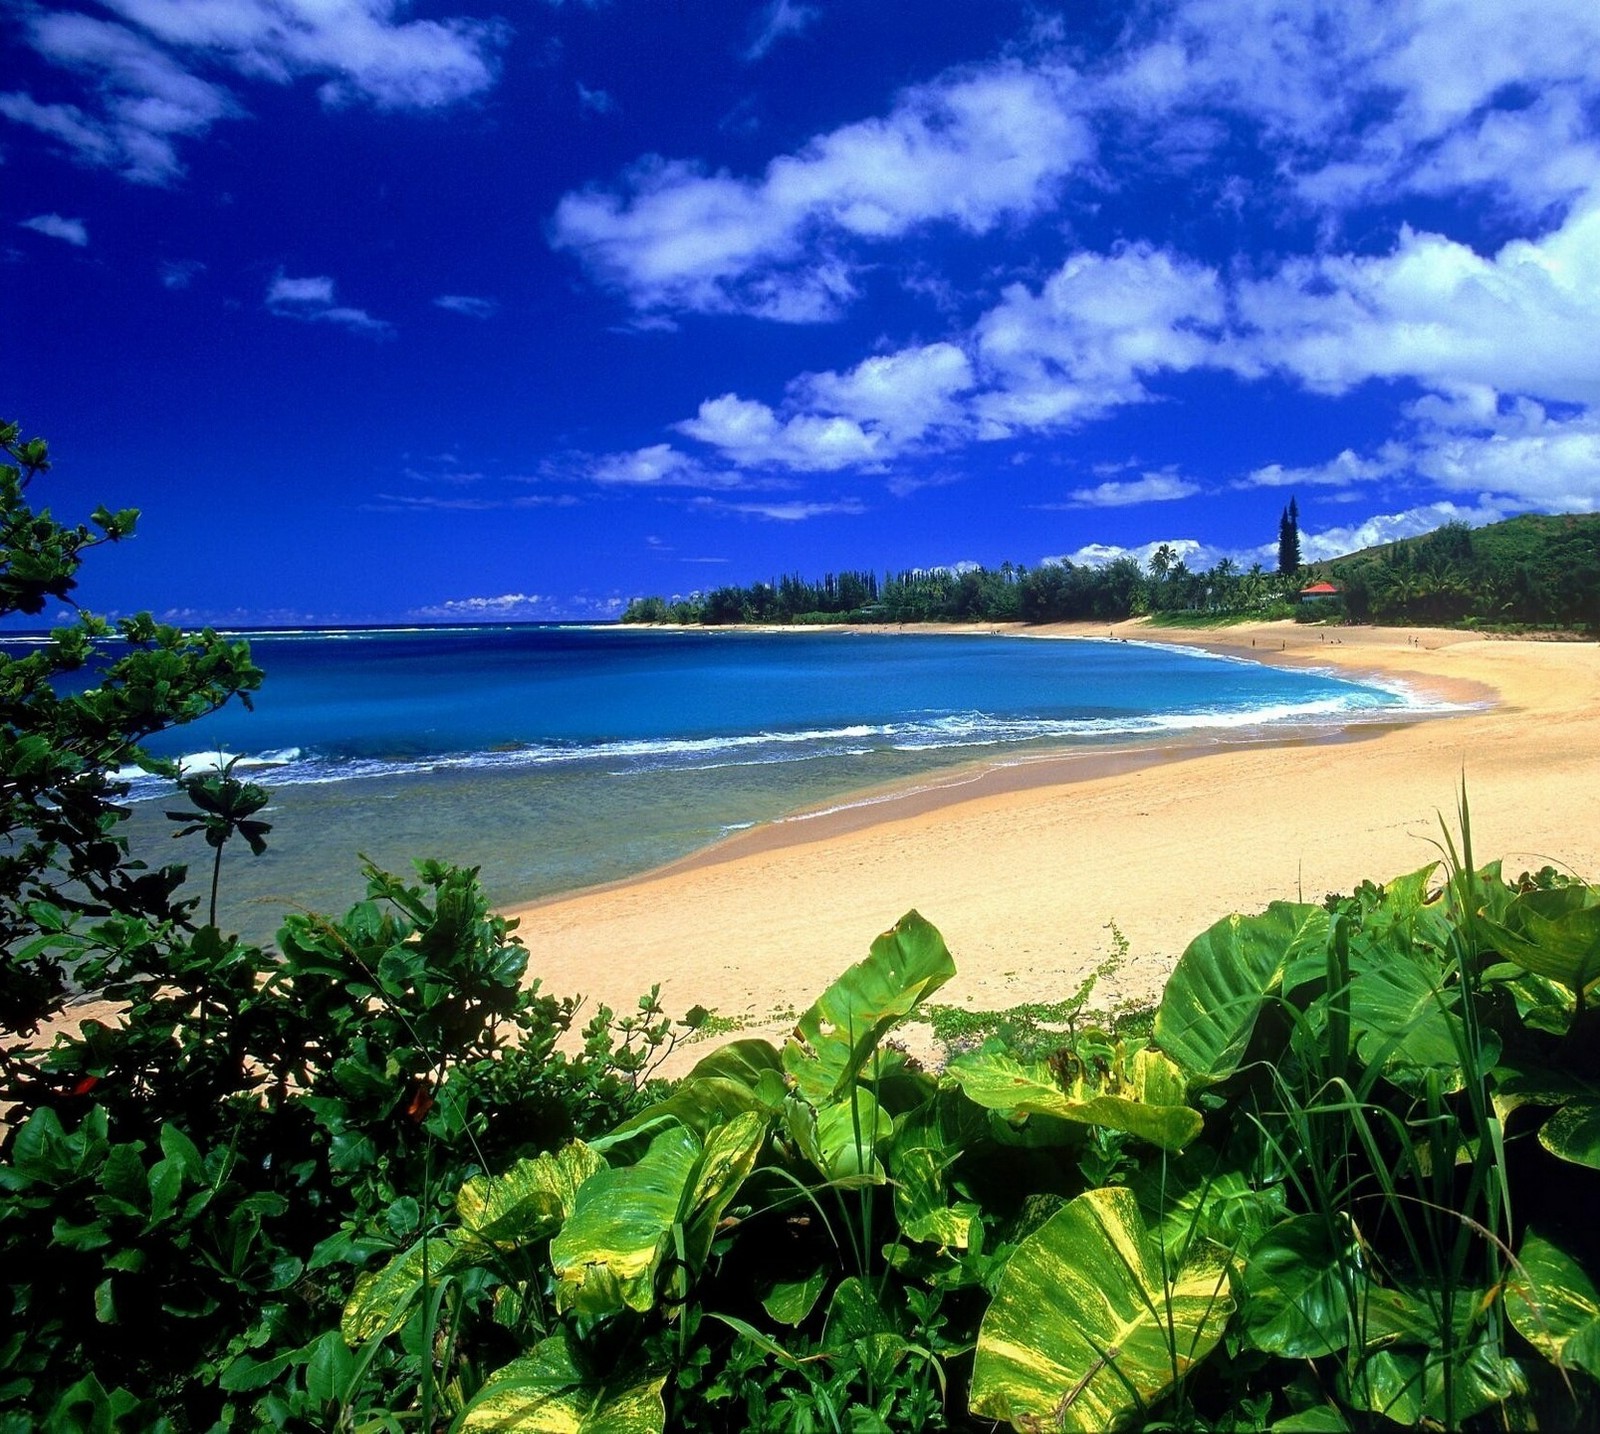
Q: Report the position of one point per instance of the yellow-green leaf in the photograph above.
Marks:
(1087, 1325)
(832, 1040)
(530, 1200)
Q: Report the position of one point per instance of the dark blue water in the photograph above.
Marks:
(555, 758)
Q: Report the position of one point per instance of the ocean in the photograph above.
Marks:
(555, 757)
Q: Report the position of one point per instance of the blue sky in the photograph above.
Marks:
(448, 311)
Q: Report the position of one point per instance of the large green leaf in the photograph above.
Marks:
(1086, 1327)
(547, 1392)
(1296, 1290)
(1407, 1385)
(701, 1103)
(530, 1200)
(625, 1221)
(1401, 1373)
(608, 1251)
(1199, 1195)
(1216, 992)
(729, 1156)
(1555, 934)
(1000, 1082)
(832, 1040)
(383, 1298)
(1404, 1013)
(1573, 1133)
(1553, 1304)
(749, 1062)
(921, 1204)
(850, 1134)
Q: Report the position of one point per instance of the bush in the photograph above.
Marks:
(191, 1190)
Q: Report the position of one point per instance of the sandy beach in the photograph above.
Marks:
(1023, 867)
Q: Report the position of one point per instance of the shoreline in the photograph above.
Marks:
(1023, 866)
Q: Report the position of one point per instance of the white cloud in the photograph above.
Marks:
(70, 231)
(597, 102)
(1195, 554)
(1522, 321)
(366, 52)
(1518, 452)
(1369, 99)
(658, 466)
(902, 396)
(1150, 488)
(147, 96)
(971, 151)
(311, 301)
(750, 435)
(1382, 528)
(1339, 472)
(1083, 344)
(473, 308)
(147, 99)
(504, 605)
(778, 19)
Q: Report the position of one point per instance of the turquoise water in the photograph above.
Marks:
(557, 757)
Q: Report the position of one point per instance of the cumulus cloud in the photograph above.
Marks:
(1518, 452)
(145, 92)
(312, 301)
(1191, 551)
(1436, 311)
(1086, 340)
(69, 231)
(969, 151)
(750, 435)
(658, 466)
(1363, 99)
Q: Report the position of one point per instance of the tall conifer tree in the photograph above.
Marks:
(1289, 539)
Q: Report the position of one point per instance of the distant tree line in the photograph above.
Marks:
(1051, 592)
(1531, 571)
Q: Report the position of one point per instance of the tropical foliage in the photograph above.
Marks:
(1342, 1182)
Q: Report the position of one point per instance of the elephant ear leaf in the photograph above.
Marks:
(383, 1298)
(1224, 978)
(548, 1392)
(1088, 1327)
(1553, 1305)
(1554, 934)
(607, 1254)
(530, 1200)
(1148, 1104)
(834, 1038)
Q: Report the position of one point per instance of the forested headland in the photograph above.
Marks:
(1529, 572)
